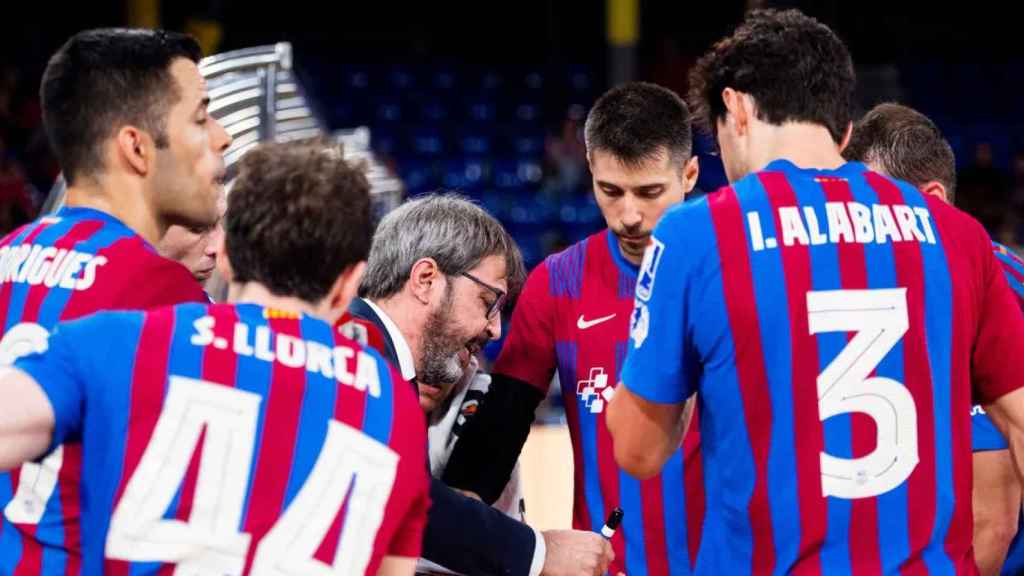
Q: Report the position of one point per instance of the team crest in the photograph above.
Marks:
(649, 268)
(594, 392)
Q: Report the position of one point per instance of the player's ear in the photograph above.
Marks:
(739, 106)
(425, 280)
(935, 188)
(344, 289)
(691, 171)
(134, 149)
(846, 137)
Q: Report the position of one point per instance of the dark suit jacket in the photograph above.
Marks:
(464, 534)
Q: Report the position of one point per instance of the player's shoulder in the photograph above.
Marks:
(1008, 257)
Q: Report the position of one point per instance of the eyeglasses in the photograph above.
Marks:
(500, 295)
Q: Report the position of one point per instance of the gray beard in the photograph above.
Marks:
(441, 350)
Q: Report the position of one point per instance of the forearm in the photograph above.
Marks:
(645, 433)
(996, 503)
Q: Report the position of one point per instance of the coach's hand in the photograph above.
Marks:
(576, 553)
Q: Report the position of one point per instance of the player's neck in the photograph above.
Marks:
(128, 205)
(256, 293)
(808, 146)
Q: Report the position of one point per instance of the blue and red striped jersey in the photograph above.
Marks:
(235, 439)
(832, 323)
(985, 435)
(75, 262)
(573, 317)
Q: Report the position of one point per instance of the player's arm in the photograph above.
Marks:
(996, 503)
(490, 443)
(648, 414)
(397, 566)
(646, 433)
(26, 419)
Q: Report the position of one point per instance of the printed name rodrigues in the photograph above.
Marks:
(850, 222)
(33, 264)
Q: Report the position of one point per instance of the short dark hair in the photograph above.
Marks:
(298, 215)
(795, 68)
(102, 79)
(634, 121)
(905, 144)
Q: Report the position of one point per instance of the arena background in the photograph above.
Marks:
(489, 98)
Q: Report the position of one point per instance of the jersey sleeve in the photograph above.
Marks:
(659, 366)
(1000, 333)
(529, 351)
(984, 434)
(411, 495)
(59, 371)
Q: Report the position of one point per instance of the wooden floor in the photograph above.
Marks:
(546, 465)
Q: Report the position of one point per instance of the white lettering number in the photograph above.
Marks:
(210, 542)
(879, 318)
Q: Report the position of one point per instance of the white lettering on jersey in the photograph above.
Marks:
(293, 352)
(35, 265)
(846, 222)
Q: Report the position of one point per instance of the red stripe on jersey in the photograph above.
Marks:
(653, 499)
(277, 446)
(79, 232)
(807, 427)
(188, 492)
(609, 474)
(738, 287)
(329, 547)
(350, 403)
(921, 489)
(149, 384)
(693, 478)
(865, 555)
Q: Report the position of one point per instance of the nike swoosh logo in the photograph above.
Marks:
(584, 324)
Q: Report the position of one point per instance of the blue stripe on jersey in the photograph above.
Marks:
(1007, 257)
(101, 469)
(633, 523)
(893, 523)
(568, 378)
(675, 516)
(565, 271)
(57, 298)
(630, 499)
(938, 314)
(837, 430)
(771, 300)
(380, 412)
(727, 544)
(253, 375)
(1014, 283)
(318, 403)
(20, 290)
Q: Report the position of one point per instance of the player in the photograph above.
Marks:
(146, 155)
(573, 317)
(247, 437)
(194, 247)
(903, 143)
(834, 386)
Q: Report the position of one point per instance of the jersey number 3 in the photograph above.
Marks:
(210, 541)
(879, 319)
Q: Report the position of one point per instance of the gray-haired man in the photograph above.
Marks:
(440, 271)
